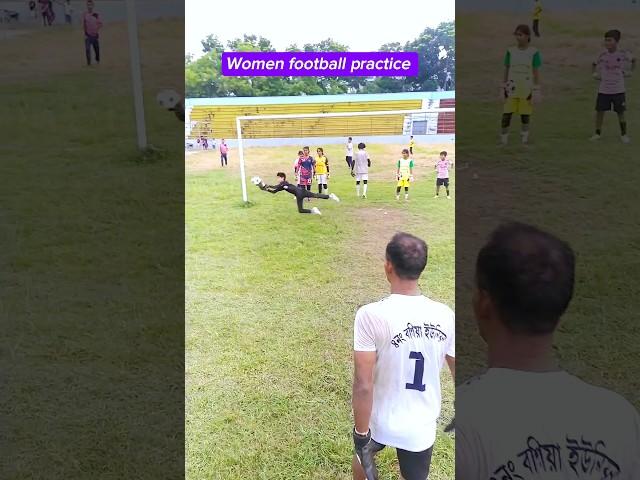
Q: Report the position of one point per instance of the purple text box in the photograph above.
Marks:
(320, 64)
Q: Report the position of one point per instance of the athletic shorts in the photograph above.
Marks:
(305, 181)
(322, 178)
(403, 182)
(362, 176)
(413, 465)
(442, 181)
(519, 106)
(607, 101)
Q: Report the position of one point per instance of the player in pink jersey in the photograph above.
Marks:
(610, 68)
(224, 150)
(442, 167)
(92, 25)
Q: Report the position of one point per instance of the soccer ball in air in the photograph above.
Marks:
(256, 180)
(168, 99)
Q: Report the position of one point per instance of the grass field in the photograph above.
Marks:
(585, 192)
(270, 301)
(91, 259)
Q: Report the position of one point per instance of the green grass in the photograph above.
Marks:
(92, 291)
(269, 381)
(584, 192)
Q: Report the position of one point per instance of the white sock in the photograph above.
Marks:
(525, 136)
(364, 187)
(406, 196)
(358, 190)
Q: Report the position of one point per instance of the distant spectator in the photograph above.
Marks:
(92, 25)
(46, 10)
(68, 12)
(224, 150)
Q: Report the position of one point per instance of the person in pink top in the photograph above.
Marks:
(92, 25)
(224, 149)
(442, 167)
(610, 68)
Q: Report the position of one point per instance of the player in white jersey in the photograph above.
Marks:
(521, 87)
(400, 346)
(525, 418)
(349, 152)
(360, 169)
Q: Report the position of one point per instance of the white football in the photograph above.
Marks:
(168, 98)
(256, 180)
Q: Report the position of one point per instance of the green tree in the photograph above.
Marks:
(211, 43)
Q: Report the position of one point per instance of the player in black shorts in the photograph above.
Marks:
(413, 465)
(300, 193)
(610, 68)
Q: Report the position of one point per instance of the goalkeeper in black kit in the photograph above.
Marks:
(300, 193)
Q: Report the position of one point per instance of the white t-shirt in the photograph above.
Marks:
(361, 162)
(349, 149)
(411, 335)
(543, 426)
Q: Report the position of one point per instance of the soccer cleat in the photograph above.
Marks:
(436, 196)
(334, 197)
(625, 139)
(316, 211)
(595, 138)
(364, 196)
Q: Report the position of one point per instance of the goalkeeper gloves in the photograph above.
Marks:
(411, 178)
(364, 453)
(353, 174)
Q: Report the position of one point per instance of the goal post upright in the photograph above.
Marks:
(240, 119)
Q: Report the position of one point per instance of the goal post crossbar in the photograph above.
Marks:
(240, 119)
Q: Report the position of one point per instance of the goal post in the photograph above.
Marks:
(412, 114)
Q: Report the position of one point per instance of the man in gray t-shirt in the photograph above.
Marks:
(361, 163)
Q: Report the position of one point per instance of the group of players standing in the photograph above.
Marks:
(521, 83)
(306, 167)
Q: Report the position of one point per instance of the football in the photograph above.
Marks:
(509, 88)
(168, 98)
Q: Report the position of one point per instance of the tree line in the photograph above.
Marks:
(437, 72)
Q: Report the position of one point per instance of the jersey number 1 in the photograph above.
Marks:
(419, 373)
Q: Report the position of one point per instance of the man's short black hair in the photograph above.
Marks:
(306, 148)
(281, 175)
(615, 34)
(529, 275)
(350, 138)
(361, 146)
(408, 255)
(443, 153)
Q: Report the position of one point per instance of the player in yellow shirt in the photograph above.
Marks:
(537, 14)
(322, 171)
(404, 174)
(412, 143)
(521, 87)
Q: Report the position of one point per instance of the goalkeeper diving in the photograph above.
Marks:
(299, 193)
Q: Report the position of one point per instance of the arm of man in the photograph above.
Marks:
(362, 400)
(451, 362)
